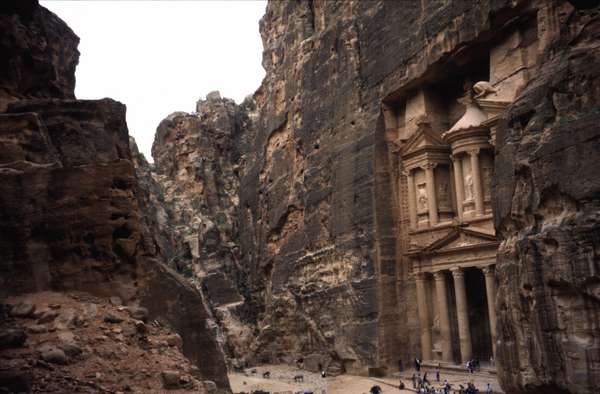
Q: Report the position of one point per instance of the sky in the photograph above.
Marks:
(158, 57)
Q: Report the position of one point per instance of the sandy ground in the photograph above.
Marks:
(282, 381)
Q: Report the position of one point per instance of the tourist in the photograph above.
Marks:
(437, 374)
(375, 390)
(414, 381)
(425, 380)
(446, 386)
(488, 389)
(401, 386)
(417, 364)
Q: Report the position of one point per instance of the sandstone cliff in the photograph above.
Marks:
(39, 53)
(548, 216)
(322, 243)
(71, 218)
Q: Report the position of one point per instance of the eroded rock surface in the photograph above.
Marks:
(39, 53)
(70, 202)
(321, 236)
(548, 215)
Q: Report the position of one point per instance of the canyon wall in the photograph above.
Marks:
(70, 215)
(318, 239)
(548, 215)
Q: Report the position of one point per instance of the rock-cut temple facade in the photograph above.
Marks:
(443, 136)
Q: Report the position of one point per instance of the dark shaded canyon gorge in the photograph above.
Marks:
(411, 179)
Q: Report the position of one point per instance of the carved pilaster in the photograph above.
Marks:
(460, 187)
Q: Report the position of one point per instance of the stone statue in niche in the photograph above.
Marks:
(469, 187)
(421, 197)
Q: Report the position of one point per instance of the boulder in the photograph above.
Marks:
(210, 386)
(23, 310)
(53, 355)
(175, 340)
(138, 313)
(113, 319)
(12, 338)
(171, 380)
(47, 316)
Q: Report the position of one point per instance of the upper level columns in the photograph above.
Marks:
(477, 183)
(412, 203)
(431, 197)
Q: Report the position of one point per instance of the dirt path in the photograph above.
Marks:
(282, 381)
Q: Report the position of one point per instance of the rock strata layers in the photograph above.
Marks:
(70, 202)
(322, 243)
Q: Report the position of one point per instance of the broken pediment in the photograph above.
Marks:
(423, 140)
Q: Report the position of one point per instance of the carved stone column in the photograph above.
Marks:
(462, 312)
(460, 187)
(423, 311)
(442, 300)
(477, 185)
(412, 203)
(490, 289)
(431, 198)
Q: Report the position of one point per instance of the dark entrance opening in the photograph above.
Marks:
(479, 320)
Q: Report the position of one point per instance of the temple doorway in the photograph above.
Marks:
(481, 339)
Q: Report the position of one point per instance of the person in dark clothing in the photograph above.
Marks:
(425, 380)
(401, 386)
(375, 390)
(414, 381)
(417, 364)
(437, 375)
(400, 365)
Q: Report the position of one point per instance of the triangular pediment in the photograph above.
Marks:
(422, 140)
(459, 238)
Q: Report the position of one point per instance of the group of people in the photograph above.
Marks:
(424, 386)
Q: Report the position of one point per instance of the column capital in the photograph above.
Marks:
(407, 172)
(439, 275)
(422, 276)
(429, 166)
(474, 151)
(457, 272)
(489, 270)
